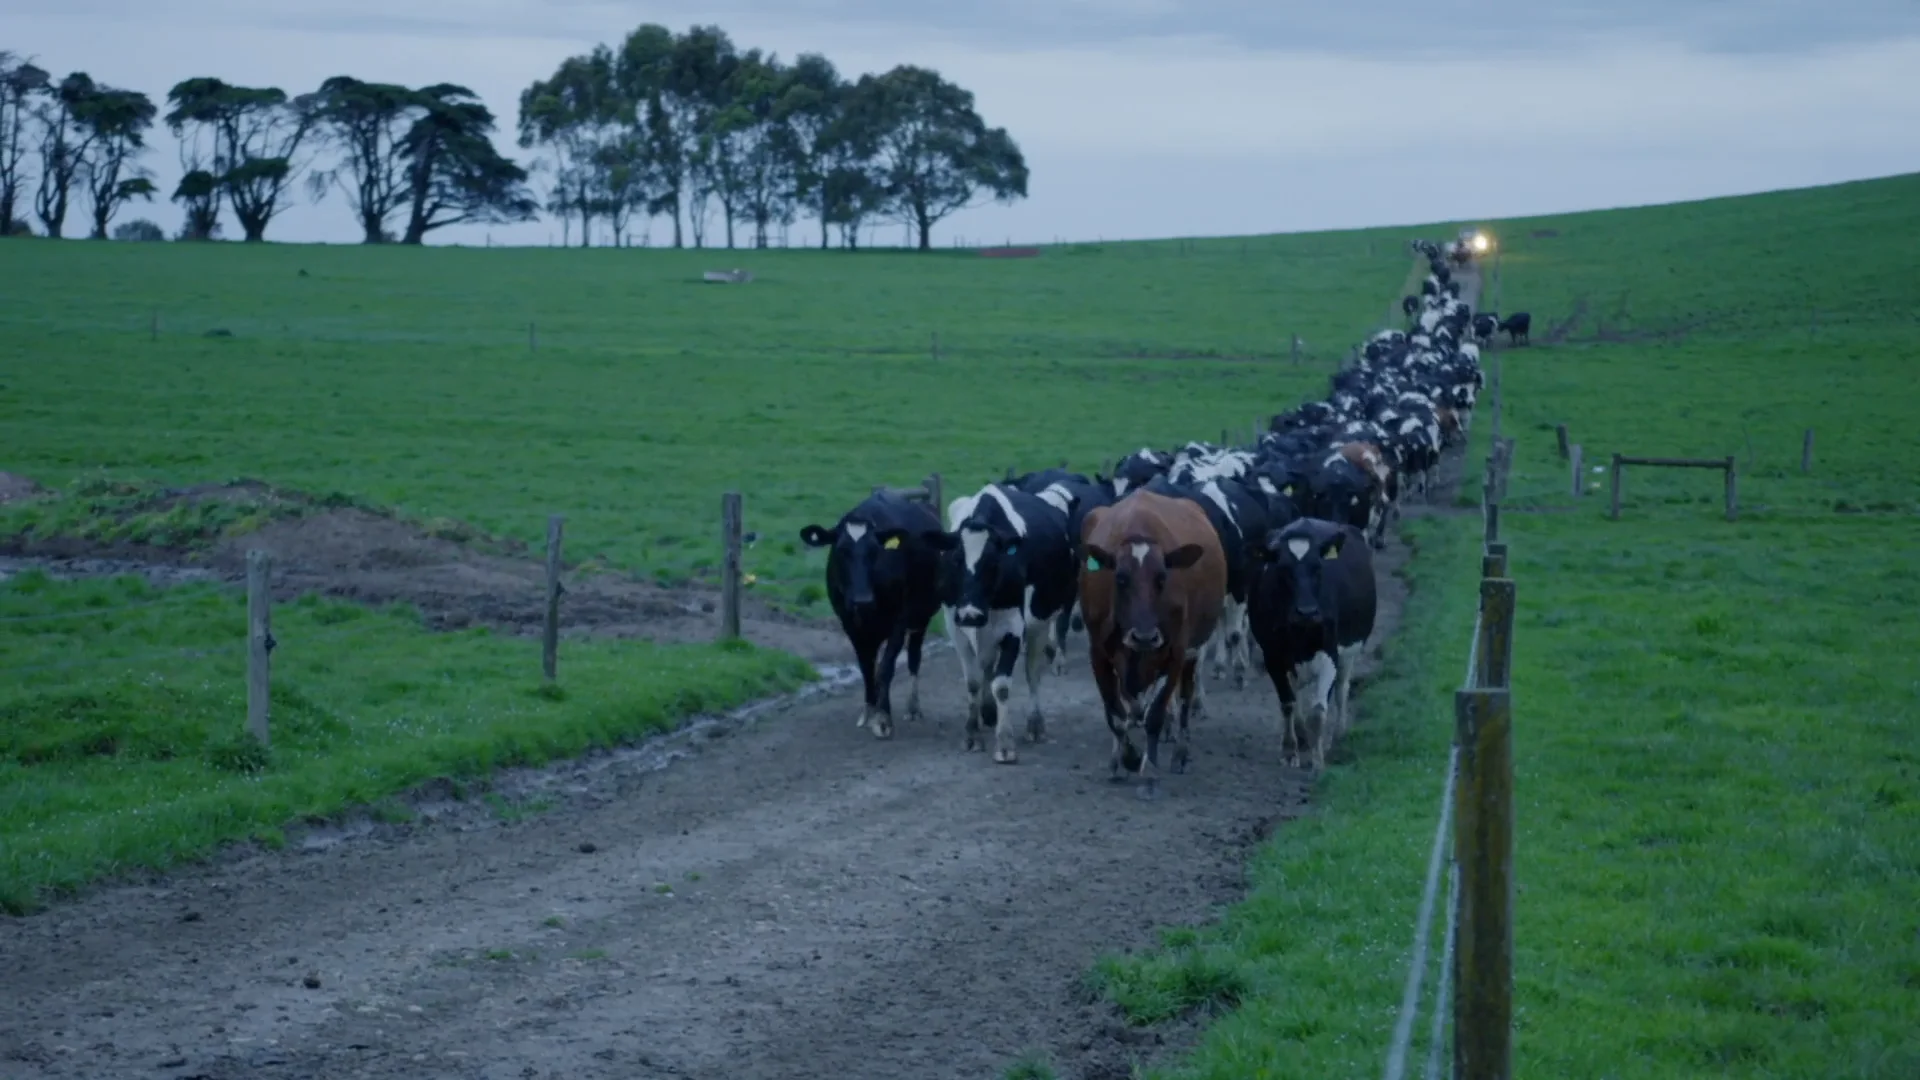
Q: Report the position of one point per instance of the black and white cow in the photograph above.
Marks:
(1137, 468)
(1312, 610)
(1015, 575)
(1080, 496)
(1485, 325)
(882, 566)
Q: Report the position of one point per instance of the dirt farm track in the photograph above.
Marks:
(778, 895)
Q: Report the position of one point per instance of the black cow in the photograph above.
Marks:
(1312, 610)
(882, 580)
(1342, 491)
(1080, 496)
(1409, 305)
(1015, 575)
(1485, 325)
(1516, 326)
(1137, 468)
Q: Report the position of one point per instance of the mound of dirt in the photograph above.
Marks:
(14, 486)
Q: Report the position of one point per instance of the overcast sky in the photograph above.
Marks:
(1145, 118)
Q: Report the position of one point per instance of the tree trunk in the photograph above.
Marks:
(375, 228)
(926, 228)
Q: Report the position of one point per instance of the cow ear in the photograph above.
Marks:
(1332, 550)
(1184, 556)
(815, 536)
(1098, 558)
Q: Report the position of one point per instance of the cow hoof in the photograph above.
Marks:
(1005, 755)
(1181, 756)
(1036, 729)
(861, 721)
(882, 727)
(1148, 791)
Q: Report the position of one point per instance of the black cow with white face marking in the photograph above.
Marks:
(1485, 325)
(1137, 468)
(1343, 492)
(882, 580)
(1015, 576)
(1312, 609)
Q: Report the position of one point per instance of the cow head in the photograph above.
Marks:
(1298, 555)
(862, 554)
(1140, 573)
(990, 566)
(1341, 493)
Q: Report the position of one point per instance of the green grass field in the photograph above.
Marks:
(403, 379)
(1718, 784)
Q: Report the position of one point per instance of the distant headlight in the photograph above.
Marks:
(1480, 242)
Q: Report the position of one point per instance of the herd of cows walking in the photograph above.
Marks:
(1178, 557)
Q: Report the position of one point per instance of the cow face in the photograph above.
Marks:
(1140, 572)
(992, 573)
(1300, 556)
(864, 555)
(1136, 469)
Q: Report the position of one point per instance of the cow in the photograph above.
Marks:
(882, 581)
(1238, 518)
(1313, 607)
(1015, 575)
(1485, 325)
(1078, 496)
(1409, 304)
(1137, 468)
(1152, 588)
(1343, 491)
(1515, 326)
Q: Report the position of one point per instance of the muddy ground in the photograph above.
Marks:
(774, 895)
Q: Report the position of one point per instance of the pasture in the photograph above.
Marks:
(1717, 787)
(1717, 856)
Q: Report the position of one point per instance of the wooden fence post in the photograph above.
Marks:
(1806, 451)
(1573, 453)
(259, 647)
(1733, 497)
(1494, 563)
(1493, 662)
(1615, 512)
(550, 635)
(1506, 467)
(934, 496)
(1483, 861)
(1560, 433)
(730, 570)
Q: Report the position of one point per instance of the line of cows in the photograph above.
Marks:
(1177, 557)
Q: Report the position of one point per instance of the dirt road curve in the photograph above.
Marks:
(790, 898)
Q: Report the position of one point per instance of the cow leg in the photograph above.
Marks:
(1057, 646)
(916, 639)
(1189, 694)
(1036, 668)
(1231, 638)
(1001, 689)
(866, 652)
(1283, 688)
(1317, 674)
(1156, 723)
(966, 647)
(880, 720)
(1345, 659)
(1107, 679)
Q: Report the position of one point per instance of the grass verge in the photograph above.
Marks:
(144, 761)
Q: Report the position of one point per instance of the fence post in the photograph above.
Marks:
(259, 647)
(730, 570)
(1494, 563)
(1615, 512)
(934, 497)
(1296, 348)
(1806, 451)
(550, 635)
(1493, 662)
(1574, 454)
(1560, 433)
(1733, 496)
(1483, 863)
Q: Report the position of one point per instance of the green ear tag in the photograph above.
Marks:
(1093, 563)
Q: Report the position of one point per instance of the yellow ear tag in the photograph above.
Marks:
(1333, 553)
(892, 542)
(1288, 490)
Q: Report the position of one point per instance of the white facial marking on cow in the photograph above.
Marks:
(973, 544)
(1299, 545)
(855, 531)
(1058, 497)
(1119, 485)
(1006, 507)
(1266, 485)
(960, 510)
(1139, 552)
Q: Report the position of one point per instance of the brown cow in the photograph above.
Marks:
(1151, 593)
(1370, 459)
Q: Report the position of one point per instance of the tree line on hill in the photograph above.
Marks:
(668, 125)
